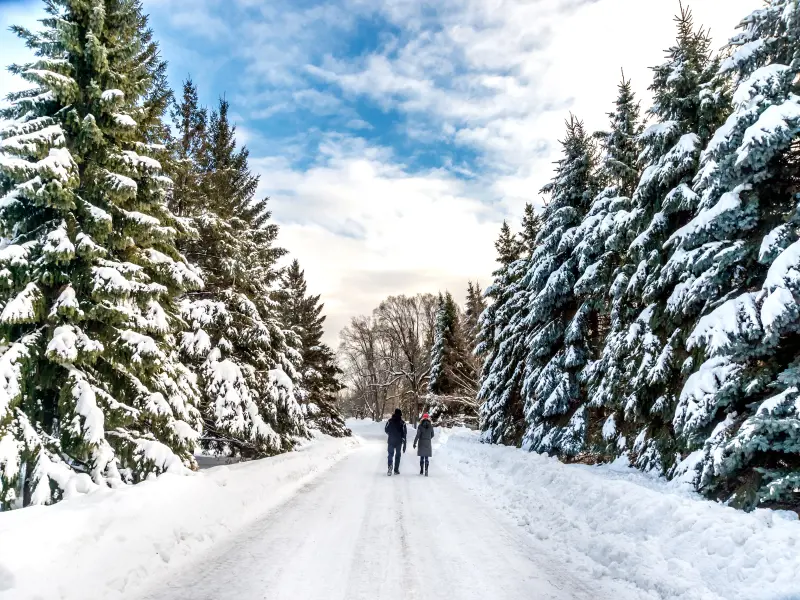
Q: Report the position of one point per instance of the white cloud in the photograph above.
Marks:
(499, 78)
(196, 21)
(358, 124)
(496, 78)
(364, 228)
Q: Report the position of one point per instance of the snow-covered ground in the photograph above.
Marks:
(108, 544)
(327, 523)
(614, 523)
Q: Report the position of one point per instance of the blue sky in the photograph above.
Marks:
(394, 136)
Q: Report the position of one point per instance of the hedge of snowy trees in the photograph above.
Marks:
(417, 353)
(142, 314)
(656, 313)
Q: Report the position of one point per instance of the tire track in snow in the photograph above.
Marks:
(355, 534)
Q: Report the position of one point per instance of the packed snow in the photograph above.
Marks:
(325, 523)
(110, 543)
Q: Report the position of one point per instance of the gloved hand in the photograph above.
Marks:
(404, 447)
(415, 445)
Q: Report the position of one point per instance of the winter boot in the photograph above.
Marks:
(397, 471)
(420, 469)
(426, 469)
(390, 472)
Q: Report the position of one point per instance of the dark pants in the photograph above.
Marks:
(423, 462)
(395, 449)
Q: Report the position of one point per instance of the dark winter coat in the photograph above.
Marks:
(423, 439)
(396, 430)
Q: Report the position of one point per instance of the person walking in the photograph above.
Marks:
(396, 430)
(424, 438)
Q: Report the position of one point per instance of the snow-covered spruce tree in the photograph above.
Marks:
(556, 327)
(737, 260)
(501, 412)
(235, 342)
(474, 308)
(645, 349)
(604, 237)
(319, 381)
(186, 147)
(452, 386)
(91, 392)
(531, 225)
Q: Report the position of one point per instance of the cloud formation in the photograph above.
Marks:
(394, 136)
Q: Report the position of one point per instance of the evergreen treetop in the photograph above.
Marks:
(507, 245)
(531, 224)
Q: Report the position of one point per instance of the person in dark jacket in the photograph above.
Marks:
(396, 430)
(424, 438)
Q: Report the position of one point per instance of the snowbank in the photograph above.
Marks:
(618, 523)
(111, 542)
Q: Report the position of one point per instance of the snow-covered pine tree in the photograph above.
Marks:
(474, 308)
(531, 225)
(91, 392)
(604, 238)
(501, 412)
(186, 151)
(645, 349)
(452, 386)
(556, 327)
(236, 343)
(737, 260)
(319, 381)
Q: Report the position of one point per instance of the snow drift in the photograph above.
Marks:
(108, 544)
(618, 523)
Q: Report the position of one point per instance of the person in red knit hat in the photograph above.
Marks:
(424, 439)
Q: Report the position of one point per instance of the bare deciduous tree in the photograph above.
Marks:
(405, 322)
(386, 357)
(387, 362)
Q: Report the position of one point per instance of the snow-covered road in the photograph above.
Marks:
(355, 533)
(326, 522)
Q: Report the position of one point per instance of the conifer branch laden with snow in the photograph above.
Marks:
(657, 319)
(242, 351)
(92, 392)
(118, 360)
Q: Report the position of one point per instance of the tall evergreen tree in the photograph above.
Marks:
(187, 152)
(236, 342)
(91, 392)
(531, 225)
(500, 346)
(475, 307)
(605, 235)
(557, 323)
(620, 144)
(645, 346)
(507, 245)
(450, 384)
(319, 381)
(737, 260)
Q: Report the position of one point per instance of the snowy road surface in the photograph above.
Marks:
(355, 533)
(325, 522)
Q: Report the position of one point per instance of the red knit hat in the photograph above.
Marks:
(425, 416)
